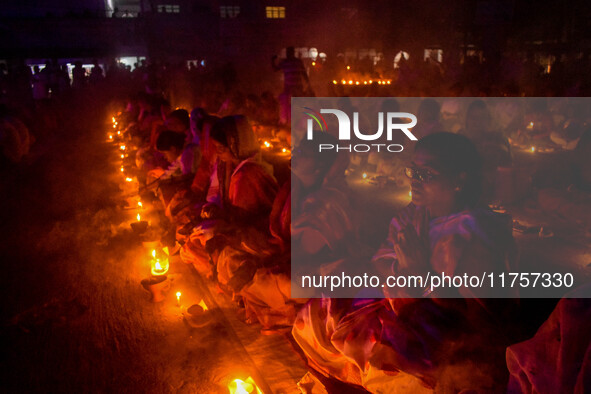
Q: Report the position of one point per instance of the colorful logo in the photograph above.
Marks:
(315, 115)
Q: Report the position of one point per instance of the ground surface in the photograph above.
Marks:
(75, 317)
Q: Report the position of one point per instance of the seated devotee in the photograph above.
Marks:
(564, 185)
(239, 207)
(556, 359)
(430, 343)
(492, 145)
(322, 230)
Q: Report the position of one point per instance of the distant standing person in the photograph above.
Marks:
(295, 82)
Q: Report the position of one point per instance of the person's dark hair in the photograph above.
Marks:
(456, 154)
(221, 129)
(310, 148)
(169, 139)
(429, 110)
(181, 115)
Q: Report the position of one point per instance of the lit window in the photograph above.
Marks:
(229, 11)
(169, 8)
(275, 12)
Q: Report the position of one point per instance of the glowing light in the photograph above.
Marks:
(115, 126)
(343, 82)
(379, 82)
(410, 193)
(350, 82)
(138, 217)
(334, 81)
(128, 179)
(313, 63)
(267, 144)
(159, 267)
(122, 169)
(110, 136)
(139, 204)
(364, 175)
(370, 81)
(122, 147)
(356, 82)
(239, 386)
(113, 118)
(365, 82)
(178, 298)
(203, 305)
(119, 132)
(532, 149)
(348, 67)
(284, 150)
(388, 82)
(530, 125)
(122, 156)
(154, 253)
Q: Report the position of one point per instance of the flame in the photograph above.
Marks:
(313, 63)
(139, 204)
(364, 175)
(350, 82)
(203, 305)
(157, 266)
(239, 386)
(410, 193)
(267, 144)
(110, 137)
(122, 156)
(121, 169)
(119, 132)
(128, 179)
(533, 149)
(122, 147)
(115, 126)
(348, 67)
(283, 150)
(138, 217)
(113, 119)
(334, 81)
(343, 82)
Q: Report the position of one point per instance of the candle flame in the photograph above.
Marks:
(139, 204)
(122, 156)
(122, 147)
(110, 137)
(119, 132)
(157, 266)
(533, 149)
(348, 67)
(350, 82)
(128, 179)
(334, 81)
(138, 217)
(364, 175)
(178, 294)
(267, 144)
(239, 386)
(283, 150)
(410, 193)
(203, 305)
(121, 169)
(113, 119)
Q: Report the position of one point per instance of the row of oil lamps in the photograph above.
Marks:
(159, 259)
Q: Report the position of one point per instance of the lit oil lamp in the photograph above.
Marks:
(348, 67)
(350, 82)
(119, 132)
(343, 82)
(128, 179)
(122, 156)
(267, 144)
(178, 298)
(530, 126)
(159, 266)
(532, 149)
(110, 137)
(140, 205)
(140, 226)
(122, 147)
(239, 386)
(364, 175)
(334, 81)
(122, 169)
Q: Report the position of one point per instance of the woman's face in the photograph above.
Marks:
(430, 187)
(223, 152)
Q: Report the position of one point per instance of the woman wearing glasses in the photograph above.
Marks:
(428, 343)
